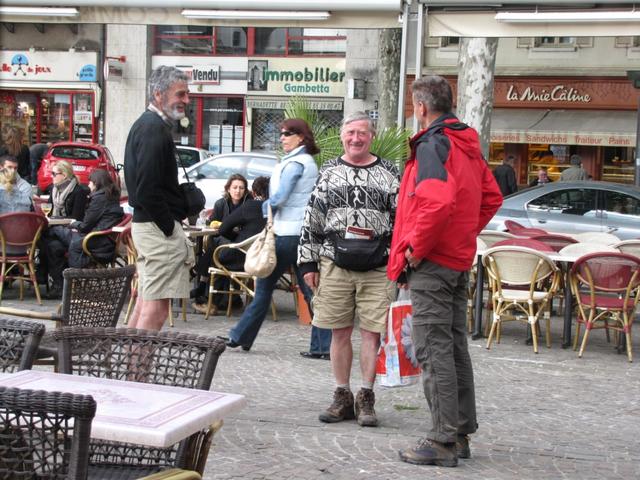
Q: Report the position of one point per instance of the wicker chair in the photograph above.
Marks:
(607, 289)
(90, 297)
(510, 268)
(19, 235)
(632, 247)
(164, 358)
(555, 241)
(19, 342)
(240, 282)
(109, 233)
(597, 237)
(489, 237)
(44, 434)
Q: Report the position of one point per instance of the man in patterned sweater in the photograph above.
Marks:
(343, 254)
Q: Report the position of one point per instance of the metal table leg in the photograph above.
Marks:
(568, 309)
(477, 323)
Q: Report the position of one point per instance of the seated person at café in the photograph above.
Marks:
(244, 222)
(103, 212)
(15, 192)
(69, 200)
(235, 194)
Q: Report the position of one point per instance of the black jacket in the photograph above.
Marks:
(506, 179)
(151, 173)
(242, 223)
(224, 207)
(76, 202)
(102, 213)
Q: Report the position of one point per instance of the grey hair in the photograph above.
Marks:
(358, 117)
(162, 78)
(434, 92)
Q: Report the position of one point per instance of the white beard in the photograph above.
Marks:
(175, 114)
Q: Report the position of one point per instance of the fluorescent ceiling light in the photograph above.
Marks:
(568, 17)
(39, 11)
(255, 15)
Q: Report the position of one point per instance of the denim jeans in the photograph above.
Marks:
(320, 340)
(247, 328)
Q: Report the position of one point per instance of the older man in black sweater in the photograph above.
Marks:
(151, 171)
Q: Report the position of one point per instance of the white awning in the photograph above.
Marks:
(45, 86)
(564, 127)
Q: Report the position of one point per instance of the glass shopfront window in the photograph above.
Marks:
(222, 124)
(553, 158)
(617, 164)
(200, 40)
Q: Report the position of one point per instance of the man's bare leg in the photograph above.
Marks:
(342, 354)
(370, 343)
(150, 314)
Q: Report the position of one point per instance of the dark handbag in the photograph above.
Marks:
(194, 199)
(361, 255)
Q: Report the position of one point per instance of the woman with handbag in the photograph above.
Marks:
(291, 185)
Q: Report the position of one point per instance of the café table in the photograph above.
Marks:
(133, 412)
(568, 297)
(52, 221)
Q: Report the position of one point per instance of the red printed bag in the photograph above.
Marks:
(397, 365)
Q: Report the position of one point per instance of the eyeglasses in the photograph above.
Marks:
(287, 133)
(57, 173)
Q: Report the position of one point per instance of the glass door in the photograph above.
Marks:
(82, 118)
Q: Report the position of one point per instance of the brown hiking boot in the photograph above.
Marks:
(341, 408)
(430, 452)
(462, 446)
(366, 415)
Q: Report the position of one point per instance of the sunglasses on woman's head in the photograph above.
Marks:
(287, 133)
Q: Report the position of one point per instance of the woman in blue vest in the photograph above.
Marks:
(291, 185)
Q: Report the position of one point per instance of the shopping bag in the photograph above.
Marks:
(397, 365)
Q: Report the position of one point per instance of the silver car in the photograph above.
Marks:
(211, 174)
(189, 156)
(574, 207)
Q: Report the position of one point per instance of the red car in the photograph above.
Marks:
(84, 157)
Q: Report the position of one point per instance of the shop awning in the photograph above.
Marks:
(50, 86)
(564, 127)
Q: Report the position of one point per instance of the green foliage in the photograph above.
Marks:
(391, 143)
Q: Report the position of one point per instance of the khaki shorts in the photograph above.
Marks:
(163, 263)
(343, 294)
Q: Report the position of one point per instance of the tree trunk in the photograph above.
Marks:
(388, 76)
(476, 65)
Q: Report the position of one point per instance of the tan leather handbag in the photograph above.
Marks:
(261, 259)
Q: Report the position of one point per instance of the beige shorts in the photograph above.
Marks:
(343, 294)
(163, 263)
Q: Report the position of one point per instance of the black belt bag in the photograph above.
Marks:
(361, 255)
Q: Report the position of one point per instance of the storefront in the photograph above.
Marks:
(51, 96)
(542, 121)
(273, 81)
(215, 118)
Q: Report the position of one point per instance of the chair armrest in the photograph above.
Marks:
(18, 312)
(173, 474)
(89, 236)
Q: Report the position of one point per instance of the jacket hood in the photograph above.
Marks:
(458, 132)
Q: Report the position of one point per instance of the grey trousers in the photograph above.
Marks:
(439, 300)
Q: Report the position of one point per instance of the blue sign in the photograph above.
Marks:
(88, 73)
(19, 59)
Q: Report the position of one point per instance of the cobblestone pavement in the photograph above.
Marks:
(545, 416)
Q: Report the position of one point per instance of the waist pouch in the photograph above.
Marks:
(361, 255)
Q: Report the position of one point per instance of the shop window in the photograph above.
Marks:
(222, 124)
(618, 204)
(618, 164)
(184, 131)
(577, 201)
(82, 118)
(55, 119)
(554, 158)
(18, 110)
(200, 40)
(300, 41)
(496, 154)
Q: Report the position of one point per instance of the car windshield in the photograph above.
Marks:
(222, 168)
(75, 153)
(187, 158)
(259, 167)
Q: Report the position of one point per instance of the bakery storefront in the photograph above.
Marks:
(271, 82)
(52, 96)
(543, 121)
(216, 113)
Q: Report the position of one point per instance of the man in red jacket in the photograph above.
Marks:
(447, 196)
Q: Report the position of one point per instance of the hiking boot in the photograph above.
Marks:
(366, 415)
(462, 446)
(202, 308)
(341, 408)
(430, 452)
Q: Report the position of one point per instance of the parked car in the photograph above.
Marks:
(573, 207)
(189, 156)
(84, 157)
(211, 174)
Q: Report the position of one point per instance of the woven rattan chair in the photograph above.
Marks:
(597, 237)
(511, 268)
(163, 358)
(240, 282)
(19, 340)
(579, 249)
(631, 247)
(607, 288)
(113, 236)
(90, 297)
(19, 235)
(44, 434)
(555, 241)
(489, 237)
